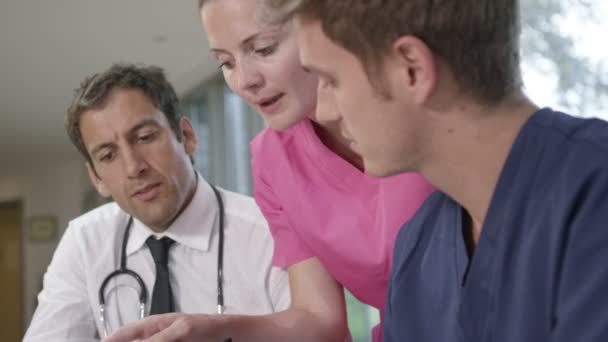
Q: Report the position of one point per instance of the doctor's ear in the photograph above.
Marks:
(97, 182)
(189, 138)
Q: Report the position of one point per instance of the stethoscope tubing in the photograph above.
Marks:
(143, 290)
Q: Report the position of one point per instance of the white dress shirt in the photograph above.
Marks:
(68, 308)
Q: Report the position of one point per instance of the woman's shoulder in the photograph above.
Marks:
(271, 147)
(269, 139)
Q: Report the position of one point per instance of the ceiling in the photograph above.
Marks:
(48, 47)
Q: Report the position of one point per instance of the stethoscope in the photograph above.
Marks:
(143, 290)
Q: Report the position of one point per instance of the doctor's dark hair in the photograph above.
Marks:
(477, 39)
(94, 91)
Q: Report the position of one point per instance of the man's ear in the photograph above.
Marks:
(101, 188)
(189, 138)
(418, 63)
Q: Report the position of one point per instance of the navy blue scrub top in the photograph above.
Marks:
(540, 268)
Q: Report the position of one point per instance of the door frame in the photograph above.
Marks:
(18, 204)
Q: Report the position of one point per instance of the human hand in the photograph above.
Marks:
(169, 328)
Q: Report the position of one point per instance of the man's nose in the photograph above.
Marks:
(326, 110)
(135, 163)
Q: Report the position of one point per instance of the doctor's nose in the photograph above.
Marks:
(135, 163)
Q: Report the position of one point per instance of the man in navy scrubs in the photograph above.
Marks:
(514, 246)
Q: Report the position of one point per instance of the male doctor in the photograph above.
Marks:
(126, 122)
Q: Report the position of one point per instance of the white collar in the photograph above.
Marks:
(192, 228)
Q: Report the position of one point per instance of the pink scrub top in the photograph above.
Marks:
(319, 205)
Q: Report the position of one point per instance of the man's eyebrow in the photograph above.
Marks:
(138, 126)
(318, 71)
(144, 123)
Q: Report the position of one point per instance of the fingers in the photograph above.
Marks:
(193, 328)
(143, 329)
(179, 330)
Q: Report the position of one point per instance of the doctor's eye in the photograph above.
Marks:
(225, 65)
(106, 157)
(147, 137)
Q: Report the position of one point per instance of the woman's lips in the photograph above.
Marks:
(271, 105)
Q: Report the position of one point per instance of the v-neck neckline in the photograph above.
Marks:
(479, 272)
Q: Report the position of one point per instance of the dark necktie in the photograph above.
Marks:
(162, 298)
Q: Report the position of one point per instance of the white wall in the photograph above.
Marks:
(56, 190)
